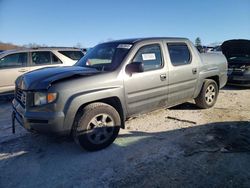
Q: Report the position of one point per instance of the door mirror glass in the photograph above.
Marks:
(135, 67)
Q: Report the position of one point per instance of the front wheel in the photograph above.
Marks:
(97, 127)
(208, 94)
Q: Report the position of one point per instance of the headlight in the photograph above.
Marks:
(41, 98)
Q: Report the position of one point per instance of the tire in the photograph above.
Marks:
(208, 94)
(96, 127)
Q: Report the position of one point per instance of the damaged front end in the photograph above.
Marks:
(237, 53)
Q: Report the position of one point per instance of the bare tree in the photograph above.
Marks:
(78, 45)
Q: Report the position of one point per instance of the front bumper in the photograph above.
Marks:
(241, 80)
(35, 121)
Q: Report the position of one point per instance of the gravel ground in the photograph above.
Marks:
(178, 147)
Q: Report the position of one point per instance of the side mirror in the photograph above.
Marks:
(135, 67)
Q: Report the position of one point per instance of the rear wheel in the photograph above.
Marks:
(97, 126)
(208, 94)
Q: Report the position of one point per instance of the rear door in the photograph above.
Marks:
(147, 90)
(12, 66)
(183, 72)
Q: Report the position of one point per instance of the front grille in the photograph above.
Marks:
(234, 66)
(238, 68)
(21, 96)
(238, 72)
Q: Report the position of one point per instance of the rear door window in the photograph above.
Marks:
(44, 58)
(41, 58)
(14, 61)
(75, 55)
(179, 54)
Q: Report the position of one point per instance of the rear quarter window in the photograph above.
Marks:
(75, 55)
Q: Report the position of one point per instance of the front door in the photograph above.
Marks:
(12, 66)
(147, 90)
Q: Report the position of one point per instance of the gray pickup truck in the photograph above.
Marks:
(114, 81)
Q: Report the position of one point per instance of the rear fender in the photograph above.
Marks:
(206, 75)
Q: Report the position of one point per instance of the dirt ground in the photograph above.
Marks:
(178, 147)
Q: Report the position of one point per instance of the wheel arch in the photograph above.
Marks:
(113, 101)
(200, 84)
(202, 99)
(215, 78)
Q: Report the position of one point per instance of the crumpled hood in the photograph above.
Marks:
(41, 79)
(236, 47)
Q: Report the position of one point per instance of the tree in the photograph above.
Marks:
(198, 41)
(198, 45)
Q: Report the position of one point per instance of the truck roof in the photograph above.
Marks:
(136, 40)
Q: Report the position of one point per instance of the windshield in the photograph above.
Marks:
(105, 57)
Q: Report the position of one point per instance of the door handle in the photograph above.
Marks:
(22, 70)
(163, 77)
(194, 70)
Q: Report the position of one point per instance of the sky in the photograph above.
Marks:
(71, 22)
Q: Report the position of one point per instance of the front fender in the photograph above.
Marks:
(77, 100)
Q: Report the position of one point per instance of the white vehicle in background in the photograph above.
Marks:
(14, 63)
